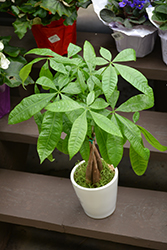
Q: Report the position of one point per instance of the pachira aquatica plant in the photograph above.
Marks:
(81, 103)
(31, 12)
(11, 62)
(126, 12)
(160, 13)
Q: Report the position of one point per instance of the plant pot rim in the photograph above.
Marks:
(91, 189)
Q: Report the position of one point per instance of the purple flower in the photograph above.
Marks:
(124, 3)
(138, 4)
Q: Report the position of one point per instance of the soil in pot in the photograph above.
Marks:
(106, 175)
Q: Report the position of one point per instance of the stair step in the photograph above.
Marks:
(50, 203)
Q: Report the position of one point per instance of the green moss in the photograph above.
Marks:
(106, 176)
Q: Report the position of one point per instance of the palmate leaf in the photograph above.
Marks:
(29, 106)
(152, 140)
(101, 138)
(78, 134)
(50, 134)
(85, 149)
(62, 145)
(46, 83)
(99, 103)
(114, 98)
(105, 124)
(125, 56)
(89, 55)
(105, 53)
(25, 71)
(72, 88)
(90, 98)
(114, 146)
(137, 103)
(45, 71)
(64, 105)
(73, 49)
(109, 81)
(133, 135)
(139, 164)
(57, 66)
(135, 78)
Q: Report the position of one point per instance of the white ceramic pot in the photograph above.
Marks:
(98, 203)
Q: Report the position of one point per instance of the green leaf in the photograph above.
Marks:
(133, 135)
(114, 146)
(136, 116)
(89, 55)
(21, 25)
(45, 71)
(92, 81)
(125, 56)
(81, 80)
(78, 134)
(29, 106)
(105, 124)
(50, 134)
(64, 105)
(99, 103)
(100, 61)
(62, 145)
(109, 81)
(90, 98)
(134, 77)
(38, 117)
(139, 164)
(85, 149)
(152, 140)
(73, 49)
(72, 88)
(101, 138)
(25, 71)
(12, 75)
(114, 98)
(12, 51)
(105, 53)
(57, 66)
(137, 103)
(46, 83)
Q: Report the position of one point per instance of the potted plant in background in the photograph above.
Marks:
(79, 112)
(11, 61)
(158, 16)
(53, 22)
(130, 24)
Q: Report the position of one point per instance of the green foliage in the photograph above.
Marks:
(160, 14)
(32, 12)
(82, 99)
(14, 54)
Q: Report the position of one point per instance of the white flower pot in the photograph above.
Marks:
(163, 37)
(140, 38)
(98, 203)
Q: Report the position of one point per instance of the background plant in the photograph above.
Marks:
(73, 105)
(32, 12)
(160, 13)
(126, 12)
(9, 74)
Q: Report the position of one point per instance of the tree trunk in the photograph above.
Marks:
(94, 165)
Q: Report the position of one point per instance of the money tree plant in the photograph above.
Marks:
(75, 107)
